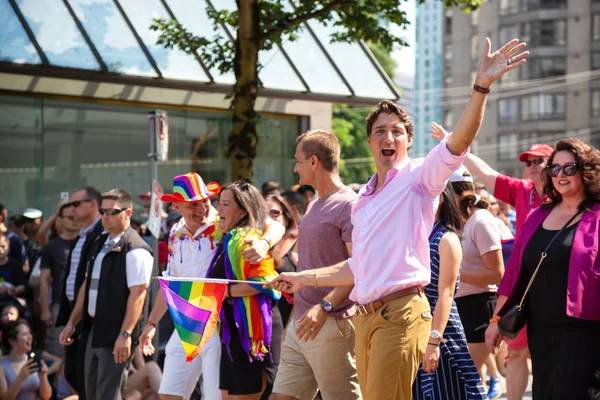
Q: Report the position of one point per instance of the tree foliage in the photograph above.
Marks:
(257, 25)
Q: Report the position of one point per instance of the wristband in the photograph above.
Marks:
(481, 89)
(433, 344)
(495, 319)
(151, 323)
(229, 291)
(269, 242)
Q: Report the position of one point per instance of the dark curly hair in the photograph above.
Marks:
(389, 107)
(11, 331)
(588, 164)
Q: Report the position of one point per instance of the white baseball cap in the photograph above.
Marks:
(32, 213)
(462, 174)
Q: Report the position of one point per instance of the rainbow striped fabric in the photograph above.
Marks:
(190, 187)
(194, 307)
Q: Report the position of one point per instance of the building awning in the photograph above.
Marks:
(111, 41)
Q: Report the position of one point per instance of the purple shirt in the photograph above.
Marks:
(583, 286)
(322, 237)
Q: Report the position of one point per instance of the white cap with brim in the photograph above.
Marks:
(32, 213)
(462, 174)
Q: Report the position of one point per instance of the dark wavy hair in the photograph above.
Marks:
(588, 164)
(249, 199)
(290, 214)
(467, 200)
(449, 212)
(11, 331)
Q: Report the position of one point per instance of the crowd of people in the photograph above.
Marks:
(400, 285)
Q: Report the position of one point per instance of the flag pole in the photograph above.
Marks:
(208, 280)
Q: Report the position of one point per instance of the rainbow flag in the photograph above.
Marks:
(195, 308)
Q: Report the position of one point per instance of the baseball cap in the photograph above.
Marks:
(461, 175)
(540, 150)
(32, 213)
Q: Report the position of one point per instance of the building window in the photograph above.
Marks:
(553, 32)
(543, 67)
(528, 5)
(508, 7)
(448, 24)
(595, 95)
(595, 61)
(509, 32)
(474, 47)
(543, 106)
(508, 110)
(596, 26)
(507, 147)
(475, 18)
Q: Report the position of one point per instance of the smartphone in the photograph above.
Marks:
(64, 197)
(36, 356)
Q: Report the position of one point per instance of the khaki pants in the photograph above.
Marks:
(390, 345)
(326, 363)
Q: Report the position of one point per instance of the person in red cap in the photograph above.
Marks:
(524, 195)
(192, 246)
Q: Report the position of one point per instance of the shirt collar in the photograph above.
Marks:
(83, 232)
(110, 243)
(370, 186)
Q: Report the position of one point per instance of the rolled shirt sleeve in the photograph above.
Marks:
(437, 167)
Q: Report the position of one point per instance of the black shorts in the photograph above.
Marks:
(238, 375)
(475, 312)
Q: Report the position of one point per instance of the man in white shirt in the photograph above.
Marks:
(111, 300)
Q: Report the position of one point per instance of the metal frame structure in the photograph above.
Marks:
(105, 75)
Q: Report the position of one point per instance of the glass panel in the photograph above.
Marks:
(173, 63)
(192, 15)
(57, 34)
(15, 46)
(21, 144)
(276, 72)
(316, 69)
(112, 37)
(596, 27)
(353, 62)
(595, 103)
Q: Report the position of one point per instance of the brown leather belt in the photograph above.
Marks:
(364, 309)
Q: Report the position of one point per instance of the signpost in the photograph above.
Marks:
(158, 133)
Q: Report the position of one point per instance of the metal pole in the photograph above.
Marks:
(153, 176)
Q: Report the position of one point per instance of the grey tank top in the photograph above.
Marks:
(29, 388)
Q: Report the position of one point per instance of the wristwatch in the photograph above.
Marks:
(125, 334)
(437, 336)
(326, 306)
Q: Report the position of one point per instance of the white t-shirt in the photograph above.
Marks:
(138, 268)
(480, 236)
(190, 255)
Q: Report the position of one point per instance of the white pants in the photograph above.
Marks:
(180, 378)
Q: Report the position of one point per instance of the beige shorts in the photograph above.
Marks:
(326, 363)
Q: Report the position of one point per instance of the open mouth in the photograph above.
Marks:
(388, 152)
(563, 182)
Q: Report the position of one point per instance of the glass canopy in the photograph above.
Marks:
(113, 37)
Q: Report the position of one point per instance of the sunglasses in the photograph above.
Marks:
(274, 213)
(111, 211)
(569, 169)
(536, 161)
(77, 203)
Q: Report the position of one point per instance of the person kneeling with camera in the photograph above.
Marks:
(23, 374)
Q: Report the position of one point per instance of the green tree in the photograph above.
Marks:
(262, 24)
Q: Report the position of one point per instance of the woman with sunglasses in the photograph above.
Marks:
(251, 325)
(562, 305)
(285, 251)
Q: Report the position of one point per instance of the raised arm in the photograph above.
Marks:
(491, 67)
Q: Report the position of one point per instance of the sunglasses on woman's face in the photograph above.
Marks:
(274, 213)
(536, 161)
(111, 211)
(569, 169)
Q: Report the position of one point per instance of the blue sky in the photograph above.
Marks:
(405, 57)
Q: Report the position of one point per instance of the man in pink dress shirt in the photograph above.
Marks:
(392, 219)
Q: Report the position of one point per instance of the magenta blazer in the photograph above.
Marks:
(583, 287)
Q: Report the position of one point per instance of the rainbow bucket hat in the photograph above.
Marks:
(190, 187)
